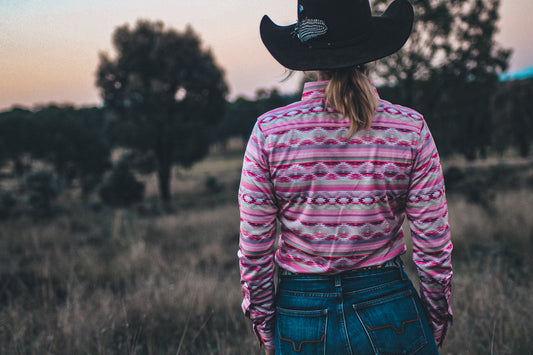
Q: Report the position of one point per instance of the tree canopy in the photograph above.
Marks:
(512, 115)
(448, 70)
(242, 113)
(72, 140)
(166, 92)
(14, 140)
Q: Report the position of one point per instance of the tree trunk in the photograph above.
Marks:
(18, 167)
(163, 152)
(408, 94)
(163, 175)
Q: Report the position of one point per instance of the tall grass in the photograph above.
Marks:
(492, 282)
(122, 282)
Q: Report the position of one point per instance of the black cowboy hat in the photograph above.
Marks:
(334, 34)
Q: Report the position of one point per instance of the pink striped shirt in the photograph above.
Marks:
(341, 202)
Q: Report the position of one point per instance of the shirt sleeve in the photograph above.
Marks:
(427, 213)
(258, 213)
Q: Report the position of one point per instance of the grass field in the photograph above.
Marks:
(139, 281)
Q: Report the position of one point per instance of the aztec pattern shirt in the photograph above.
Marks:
(340, 202)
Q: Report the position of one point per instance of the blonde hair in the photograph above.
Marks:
(349, 91)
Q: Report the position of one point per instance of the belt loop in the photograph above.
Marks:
(400, 265)
(338, 282)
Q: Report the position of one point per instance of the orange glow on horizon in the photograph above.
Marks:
(49, 51)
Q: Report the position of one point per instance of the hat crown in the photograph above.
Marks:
(333, 34)
(345, 19)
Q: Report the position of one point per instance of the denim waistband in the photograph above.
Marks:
(395, 263)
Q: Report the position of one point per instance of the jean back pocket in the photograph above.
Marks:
(301, 331)
(393, 324)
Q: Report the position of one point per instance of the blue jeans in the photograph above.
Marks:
(366, 312)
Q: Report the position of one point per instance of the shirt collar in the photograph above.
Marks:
(314, 90)
(317, 89)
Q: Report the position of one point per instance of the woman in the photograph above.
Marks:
(340, 170)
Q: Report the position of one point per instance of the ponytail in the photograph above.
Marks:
(350, 92)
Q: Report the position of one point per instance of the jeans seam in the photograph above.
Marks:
(366, 328)
(420, 312)
(346, 335)
(309, 294)
(333, 294)
(373, 288)
(368, 336)
(383, 299)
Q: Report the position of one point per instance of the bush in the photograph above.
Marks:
(89, 182)
(7, 205)
(453, 176)
(212, 185)
(42, 190)
(141, 162)
(121, 188)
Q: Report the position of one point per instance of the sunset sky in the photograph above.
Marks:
(49, 48)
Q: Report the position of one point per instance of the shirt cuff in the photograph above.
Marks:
(441, 316)
(265, 334)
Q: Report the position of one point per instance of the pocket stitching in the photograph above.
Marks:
(393, 326)
(323, 313)
(423, 341)
(302, 342)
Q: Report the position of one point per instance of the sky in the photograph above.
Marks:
(49, 48)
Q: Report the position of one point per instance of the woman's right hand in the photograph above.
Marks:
(269, 351)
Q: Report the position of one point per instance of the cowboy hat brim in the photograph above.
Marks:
(388, 34)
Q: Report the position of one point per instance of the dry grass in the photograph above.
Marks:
(118, 284)
(187, 181)
(115, 282)
(492, 285)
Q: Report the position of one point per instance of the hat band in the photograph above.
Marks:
(312, 29)
(309, 29)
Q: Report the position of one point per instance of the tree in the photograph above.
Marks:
(13, 138)
(512, 115)
(73, 141)
(166, 92)
(121, 188)
(242, 113)
(42, 190)
(449, 69)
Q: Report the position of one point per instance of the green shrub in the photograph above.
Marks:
(7, 205)
(453, 176)
(141, 162)
(89, 182)
(42, 190)
(212, 185)
(121, 188)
